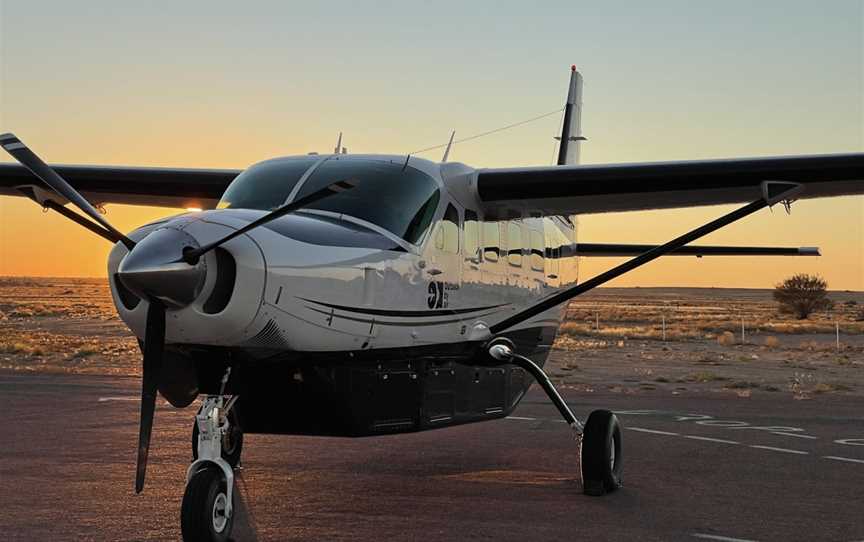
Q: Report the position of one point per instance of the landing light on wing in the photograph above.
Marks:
(193, 209)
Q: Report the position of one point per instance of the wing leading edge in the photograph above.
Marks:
(588, 189)
(167, 187)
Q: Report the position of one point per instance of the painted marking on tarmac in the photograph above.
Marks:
(851, 441)
(652, 431)
(782, 450)
(710, 439)
(721, 538)
(730, 424)
(846, 459)
(797, 435)
(120, 398)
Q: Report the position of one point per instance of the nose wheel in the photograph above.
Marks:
(205, 513)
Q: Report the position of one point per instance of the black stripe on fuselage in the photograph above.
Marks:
(390, 323)
(406, 314)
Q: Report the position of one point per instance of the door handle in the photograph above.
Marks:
(434, 272)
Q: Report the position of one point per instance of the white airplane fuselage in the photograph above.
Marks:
(323, 281)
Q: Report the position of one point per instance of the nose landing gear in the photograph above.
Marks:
(207, 512)
(232, 439)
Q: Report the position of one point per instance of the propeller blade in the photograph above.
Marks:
(191, 256)
(43, 171)
(154, 344)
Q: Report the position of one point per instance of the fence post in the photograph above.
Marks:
(664, 328)
(837, 330)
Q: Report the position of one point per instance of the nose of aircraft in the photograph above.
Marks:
(155, 268)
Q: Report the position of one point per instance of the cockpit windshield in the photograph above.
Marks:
(265, 185)
(399, 199)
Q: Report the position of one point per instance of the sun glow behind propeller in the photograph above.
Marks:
(160, 268)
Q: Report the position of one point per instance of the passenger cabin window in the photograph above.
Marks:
(472, 237)
(537, 249)
(514, 244)
(491, 241)
(447, 238)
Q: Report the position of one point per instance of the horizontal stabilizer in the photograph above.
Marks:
(621, 250)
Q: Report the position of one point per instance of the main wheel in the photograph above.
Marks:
(601, 453)
(232, 441)
(203, 513)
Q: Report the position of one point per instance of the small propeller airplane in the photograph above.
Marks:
(355, 295)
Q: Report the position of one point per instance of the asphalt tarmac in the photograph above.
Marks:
(698, 467)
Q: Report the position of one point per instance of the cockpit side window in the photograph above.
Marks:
(447, 236)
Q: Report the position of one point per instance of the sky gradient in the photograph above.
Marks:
(226, 84)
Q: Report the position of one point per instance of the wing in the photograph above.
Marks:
(167, 187)
(564, 190)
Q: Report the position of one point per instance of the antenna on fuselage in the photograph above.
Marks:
(449, 145)
(571, 130)
(338, 148)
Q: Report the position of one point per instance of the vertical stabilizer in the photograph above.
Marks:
(571, 130)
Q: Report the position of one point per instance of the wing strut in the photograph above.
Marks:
(772, 192)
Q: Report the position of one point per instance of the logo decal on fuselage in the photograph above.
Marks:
(437, 298)
(439, 294)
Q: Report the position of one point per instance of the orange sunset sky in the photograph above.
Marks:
(226, 84)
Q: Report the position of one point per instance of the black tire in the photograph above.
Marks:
(601, 453)
(232, 442)
(200, 520)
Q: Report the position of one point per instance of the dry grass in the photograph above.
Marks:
(19, 347)
(84, 352)
(727, 338)
(704, 376)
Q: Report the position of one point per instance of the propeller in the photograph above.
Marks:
(192, 255)
(43, 171)
(154, 336)
(154, 345)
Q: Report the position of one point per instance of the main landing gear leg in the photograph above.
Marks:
(599, 437)
(207, 512)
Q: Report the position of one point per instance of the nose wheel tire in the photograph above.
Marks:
(203, 513)
(601, 453)
(232, 441)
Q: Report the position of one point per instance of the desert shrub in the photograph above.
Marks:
(802, 294)
(726, 338)
(771, 341)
